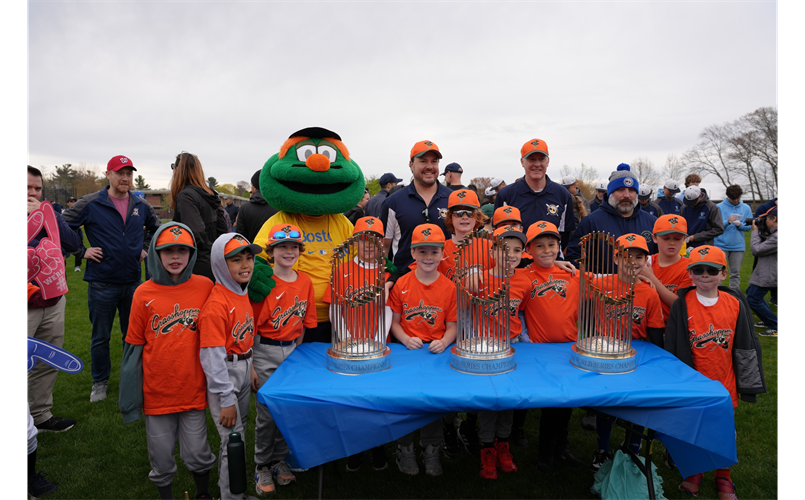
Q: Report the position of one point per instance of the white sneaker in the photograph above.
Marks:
(77, 269)
(98, 391)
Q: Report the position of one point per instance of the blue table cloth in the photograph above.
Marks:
(325, 416)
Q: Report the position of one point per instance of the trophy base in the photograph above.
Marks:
(605, 364)
(352, 365)
(482, 365)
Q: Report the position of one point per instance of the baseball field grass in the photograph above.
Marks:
(101, 458)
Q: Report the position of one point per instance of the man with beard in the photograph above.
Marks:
(618, 216)
(424, 201)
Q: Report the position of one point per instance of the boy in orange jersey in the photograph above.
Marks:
(287, 311)
(358, 275)
(226, 324)
(646, 319)
(551, 311)
(160, 372)
(668, 271)
(496, 426)
(423, 303)
(710, 330)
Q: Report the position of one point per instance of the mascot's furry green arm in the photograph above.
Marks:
(312, 174)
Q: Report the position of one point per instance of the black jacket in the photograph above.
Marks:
(202, 213)
(253, 215)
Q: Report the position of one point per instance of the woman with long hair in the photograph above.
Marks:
(197, 206)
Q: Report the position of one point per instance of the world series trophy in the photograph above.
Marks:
(483, 345)
(606, 297)
(357, 309)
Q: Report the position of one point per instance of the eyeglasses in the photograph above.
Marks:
(699, 270)
(282, 235)
(462, 213)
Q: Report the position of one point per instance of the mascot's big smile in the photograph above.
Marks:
(312, 174)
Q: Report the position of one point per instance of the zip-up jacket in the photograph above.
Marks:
(669, 205)
(732, 239)
(704, 221)
(765, 273)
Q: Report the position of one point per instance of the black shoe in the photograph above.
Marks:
(545, 465)
(599, 457)
(450, 448)
(469, 438)
(379, 461)
(569, 460)
(38, 485)
(354, 462)
(519, 438)
(56, 424)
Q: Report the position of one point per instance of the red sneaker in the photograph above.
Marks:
(504, 459)
(488, 459)
(725, 488)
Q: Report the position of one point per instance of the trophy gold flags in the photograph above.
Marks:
(483, 335)
(606, 297)
(358, 307)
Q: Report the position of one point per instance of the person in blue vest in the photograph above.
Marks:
(703, 217)
(645, 203)
(734, 213)
(668, 203)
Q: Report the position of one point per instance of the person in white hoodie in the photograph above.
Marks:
(734, 213)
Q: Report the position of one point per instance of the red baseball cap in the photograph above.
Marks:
(427, 235)
(506, 213)
(534, 146)
(119, 162)
(422, 147)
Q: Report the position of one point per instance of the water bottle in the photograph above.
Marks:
(236, 453)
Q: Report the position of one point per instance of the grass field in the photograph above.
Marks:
(100, 458)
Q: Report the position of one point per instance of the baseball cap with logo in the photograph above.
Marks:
(453, 167)
(280, 233)
(119, 162)
(368, 225)
(671, 223)
(463, 198)
(692, 194)
(238, 244)
(542, 228)
(389, 177)
(534, 146)
(632, 240)
(506, 213)
(671, 185)
(175, 236)
(601, 186)
(644, 193)
(422, 147)
(427, 235)
(707, 255)
(509, 232)
(568, 180)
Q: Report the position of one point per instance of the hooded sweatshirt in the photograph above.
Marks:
(732, 239)
(226, 324)
(160, 371)
(704, 221)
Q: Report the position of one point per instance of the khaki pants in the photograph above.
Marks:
(46, 324)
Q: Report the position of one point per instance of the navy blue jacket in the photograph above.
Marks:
(704, 221)
(652, 208)
(670, 205)
(121, 244)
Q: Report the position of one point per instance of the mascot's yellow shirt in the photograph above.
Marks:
(321, 234)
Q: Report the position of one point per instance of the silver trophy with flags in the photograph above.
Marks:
(358, 312)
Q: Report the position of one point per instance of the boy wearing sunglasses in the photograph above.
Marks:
(709, 329)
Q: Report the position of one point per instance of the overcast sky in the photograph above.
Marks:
(601, 82)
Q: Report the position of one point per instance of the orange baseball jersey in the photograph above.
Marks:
(227, 320)
(552, 304)
(357, 282)
(519, 288)
(424, 309)
(164, 321)
(646, 307)
(711, 331)
(288, 308)
(476, 253)
(673, 277)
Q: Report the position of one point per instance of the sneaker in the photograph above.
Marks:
(569, 459)
(430, 457)
(98, 391)
(282, 473)
(77, 269)
(469, 438)
(519, 437)
(760, 324)
(379, 461)
(599, 457)
(588, 422)
(264, 481)
(406, 460)
(56, 424)
(504, 457)
(489, 463)
(771, 332)
(39, 486)
(355, 461)
(450, 442)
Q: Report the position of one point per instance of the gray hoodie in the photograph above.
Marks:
(765, 273)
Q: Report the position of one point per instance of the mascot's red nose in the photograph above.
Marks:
(318, 163)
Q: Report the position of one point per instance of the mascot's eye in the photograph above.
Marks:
(328, 152)
(304, 151)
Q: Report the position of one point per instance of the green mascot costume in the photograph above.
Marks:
(312, 180)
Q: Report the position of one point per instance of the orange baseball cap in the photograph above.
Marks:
(707, 255)
(238, 244)
(671, 223)
(509, 232)
(427, 235)
(632, 240)
(422, 147)
(463, 198)
(176, 235)
(542, 228)
(507, 213)
(534, 146)
(281, 233)
(368, 225)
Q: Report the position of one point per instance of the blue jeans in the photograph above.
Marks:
(103, 301)
(755, 295)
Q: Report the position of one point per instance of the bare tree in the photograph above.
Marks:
(764, 121)
(711, 156)
(646, 174)
(673, 168)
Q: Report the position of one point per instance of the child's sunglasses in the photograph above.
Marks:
(699, 270)
(462, 213)
(282, 235)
